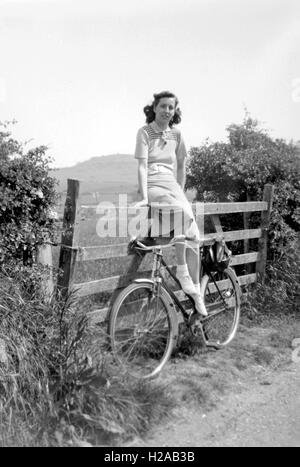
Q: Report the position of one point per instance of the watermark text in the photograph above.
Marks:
(122, 219)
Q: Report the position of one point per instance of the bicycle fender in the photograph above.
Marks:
(149, 281)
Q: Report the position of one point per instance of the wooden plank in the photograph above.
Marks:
(217, 224)
(199, 208)
(101, 315)
(265, 221)
(246, 219)
(84, 289)
(108, 251)
(237, 235)
(243, 280)
(111, 283)
(245, 258)
(112, 251)
(230, 208)
(69, 238)
(230, 302)
(105, 285)
(102, 251)
(121, 249)
(98, 316)
(221, 285)
(247, 279)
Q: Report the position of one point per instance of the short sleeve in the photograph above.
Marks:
(142, 145)
(181, 151)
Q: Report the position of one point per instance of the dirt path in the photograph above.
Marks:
(260, 406)
(265, 415)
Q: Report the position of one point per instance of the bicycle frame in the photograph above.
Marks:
(157, 278)
(161, 307)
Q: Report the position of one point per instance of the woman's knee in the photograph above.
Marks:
(193, 234)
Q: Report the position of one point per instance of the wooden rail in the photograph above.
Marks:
(72, 253)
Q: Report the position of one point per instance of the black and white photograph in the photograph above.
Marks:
(150, 226)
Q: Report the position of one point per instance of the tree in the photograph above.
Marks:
(239, 169)
(27, 194)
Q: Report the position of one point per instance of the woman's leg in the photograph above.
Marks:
(187, 261)
(193, 263)
(192, 251)
(182, 271)
(180, 248)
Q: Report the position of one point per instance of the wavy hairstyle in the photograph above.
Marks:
(149, 109)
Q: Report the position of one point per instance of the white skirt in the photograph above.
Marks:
(171, 212)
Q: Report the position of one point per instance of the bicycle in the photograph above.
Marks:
(143, 325)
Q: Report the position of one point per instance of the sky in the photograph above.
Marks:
(76, 74)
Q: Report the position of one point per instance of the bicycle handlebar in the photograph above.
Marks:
(139, 245)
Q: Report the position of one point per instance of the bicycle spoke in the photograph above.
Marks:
(222, 302)
(141, 332)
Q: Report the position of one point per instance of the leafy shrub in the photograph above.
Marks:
(239, 169)
(27, 194)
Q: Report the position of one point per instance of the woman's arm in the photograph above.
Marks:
(181, 155)
(142, 178)
(141, 154)
(181, 171)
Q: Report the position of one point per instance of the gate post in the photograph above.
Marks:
(69, 239)
(263, 241)
(44, 257)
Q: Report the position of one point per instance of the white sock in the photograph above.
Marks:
(182, 270)
(197, 287)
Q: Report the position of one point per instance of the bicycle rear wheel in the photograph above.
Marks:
(142, 329)
(222, 298)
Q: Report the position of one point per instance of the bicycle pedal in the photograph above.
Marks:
(196, 330)
(195, 325)
(194, 316)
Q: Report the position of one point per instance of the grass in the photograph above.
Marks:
(263, 356)
(102, 408)
(58, 386)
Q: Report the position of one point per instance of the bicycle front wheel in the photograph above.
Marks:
(222, 298)
(142, 329)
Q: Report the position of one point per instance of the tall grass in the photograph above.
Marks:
(279, 295)
(58, 385)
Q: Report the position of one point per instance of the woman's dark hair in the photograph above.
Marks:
(149, 109)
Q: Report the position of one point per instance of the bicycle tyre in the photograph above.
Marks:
(223, 306)
(142, 329)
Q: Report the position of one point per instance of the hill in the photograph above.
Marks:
(102, 178)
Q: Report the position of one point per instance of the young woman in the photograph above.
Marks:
(159, 149)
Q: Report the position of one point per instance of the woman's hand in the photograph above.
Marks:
(140, 204)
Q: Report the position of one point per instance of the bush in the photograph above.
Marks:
(238, 171)
(27, 194)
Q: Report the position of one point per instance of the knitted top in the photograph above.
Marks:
(160, 147)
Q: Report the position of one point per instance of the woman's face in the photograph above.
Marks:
(165, 110)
